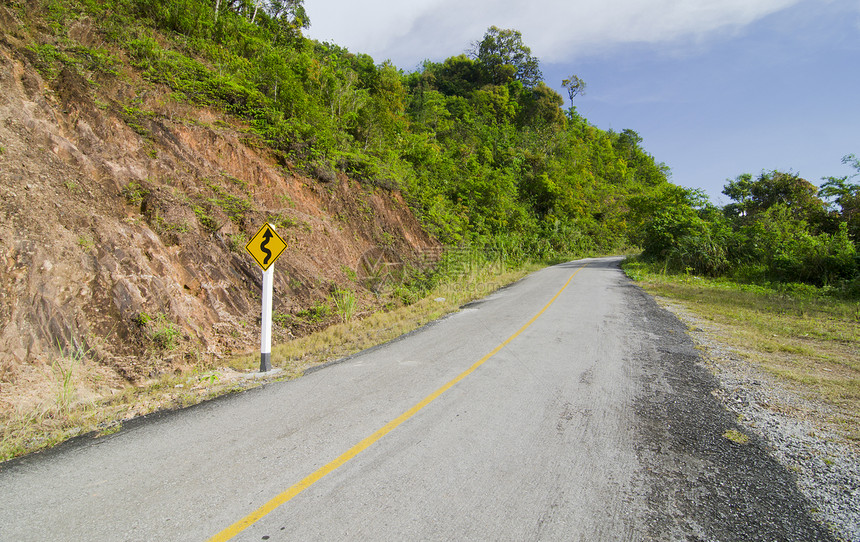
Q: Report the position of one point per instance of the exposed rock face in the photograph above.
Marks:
(123, 219)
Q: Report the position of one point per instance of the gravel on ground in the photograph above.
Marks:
(792, 425)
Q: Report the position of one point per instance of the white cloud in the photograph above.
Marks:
(408, 31)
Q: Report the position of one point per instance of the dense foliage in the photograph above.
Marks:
(482, 148)
(777, 229)
(480, 145)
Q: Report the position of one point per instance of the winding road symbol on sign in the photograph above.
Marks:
(266, 246)
(266, 238)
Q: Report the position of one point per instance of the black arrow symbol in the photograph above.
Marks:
(267, 235)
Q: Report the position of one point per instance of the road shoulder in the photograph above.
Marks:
(788, 424)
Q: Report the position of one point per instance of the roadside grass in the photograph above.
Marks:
(807, 339)
(354, 335)
(76, 406)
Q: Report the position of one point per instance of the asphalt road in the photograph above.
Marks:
(592, 421)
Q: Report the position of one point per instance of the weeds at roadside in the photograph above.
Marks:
(211, 377)
(86, 242)
(205, 218)
(236, 207)
(135, 193)
(351, 336)
(50, 421)
(159, 330)
(64, 369)
(48, 424)
(345, 304)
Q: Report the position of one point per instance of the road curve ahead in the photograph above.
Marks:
(568, 406)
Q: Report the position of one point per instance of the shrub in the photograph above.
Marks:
(822, 259)
(702, 254)
(662, 232)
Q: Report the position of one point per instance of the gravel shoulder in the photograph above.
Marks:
(791, 426)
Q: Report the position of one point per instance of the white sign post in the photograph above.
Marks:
(265, 247)
(266, 321)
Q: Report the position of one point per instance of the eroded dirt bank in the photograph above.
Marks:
(123, 219)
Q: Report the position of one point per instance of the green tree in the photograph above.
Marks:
(628, 143)
(541, 107)
(846, 195)
(382, 120)
(456, 76)
(504, 57)
(659, 219)
(754, 197)
(664, 230)
(481, 148)
(786, 188)
(575, 87)
(740, 190)
(286, 18)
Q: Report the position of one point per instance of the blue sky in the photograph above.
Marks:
(716, 88)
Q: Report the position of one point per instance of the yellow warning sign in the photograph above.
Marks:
(266, 246)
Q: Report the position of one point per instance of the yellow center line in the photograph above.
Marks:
(310, 480)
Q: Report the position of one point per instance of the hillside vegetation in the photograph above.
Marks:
(144, 142)
(482, 149)
(777, 230)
